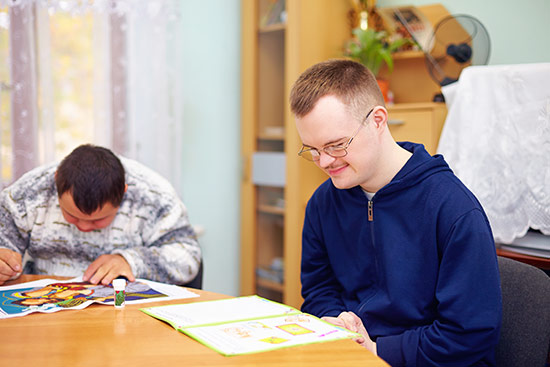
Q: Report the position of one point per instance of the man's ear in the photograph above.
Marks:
(125, 187)
(380, 116)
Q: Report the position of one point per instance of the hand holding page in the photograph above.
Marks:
(245, 325)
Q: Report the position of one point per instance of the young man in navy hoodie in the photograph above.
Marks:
(394, 245)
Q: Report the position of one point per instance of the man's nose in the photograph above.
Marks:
(85, 225)
(325, 160)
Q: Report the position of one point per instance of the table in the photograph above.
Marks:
(101, 335)
(539, 262)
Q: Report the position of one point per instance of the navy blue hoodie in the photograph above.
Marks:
(417, 264)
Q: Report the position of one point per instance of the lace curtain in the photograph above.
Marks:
(137, 86)
(497, 140)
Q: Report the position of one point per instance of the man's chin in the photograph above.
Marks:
(84, 230)
(341, 184)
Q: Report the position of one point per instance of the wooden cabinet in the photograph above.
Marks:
(414, 117)
(273, 56)
(417, 122)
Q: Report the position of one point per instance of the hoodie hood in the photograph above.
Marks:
(419, 167)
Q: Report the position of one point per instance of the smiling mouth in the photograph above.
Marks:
(336, 171)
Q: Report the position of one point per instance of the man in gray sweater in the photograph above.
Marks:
(99, 216)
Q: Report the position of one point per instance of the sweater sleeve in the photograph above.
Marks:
(13, 234)
(469, 307)
(320, 288)
(170, 252)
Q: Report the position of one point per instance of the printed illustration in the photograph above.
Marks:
(237, 332)
(274, 340)
(295, 329)
(51, 296)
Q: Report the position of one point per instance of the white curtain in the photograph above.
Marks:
(137, 80)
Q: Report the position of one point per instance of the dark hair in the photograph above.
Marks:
(93, 175)
(348, 80)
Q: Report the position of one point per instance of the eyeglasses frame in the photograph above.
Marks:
(344, 147)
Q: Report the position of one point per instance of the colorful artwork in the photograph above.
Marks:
(50, 295)
(274, 340)
(294, 329)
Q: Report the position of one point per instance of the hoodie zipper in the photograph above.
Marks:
(370, 211)
(370, 219)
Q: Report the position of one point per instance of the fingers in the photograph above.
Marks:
(344, 322)
(333, 320)
(106, 268)
(353, 322)
(10, 265)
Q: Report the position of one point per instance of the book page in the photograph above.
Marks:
(265, 334)
(212, 312)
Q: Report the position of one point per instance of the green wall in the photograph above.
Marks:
(211, 112)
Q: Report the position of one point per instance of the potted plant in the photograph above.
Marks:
(372, 49)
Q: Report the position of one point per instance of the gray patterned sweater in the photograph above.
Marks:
(151, 228)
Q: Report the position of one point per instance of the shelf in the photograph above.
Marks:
(271, 209)
(268, 284)
(271, 137)
(277, 27)
(272, 133)
(273, 56)
(414, 105)
(403, 55)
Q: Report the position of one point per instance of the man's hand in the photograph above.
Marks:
(352, 322)
(10, 265)
(106, 268)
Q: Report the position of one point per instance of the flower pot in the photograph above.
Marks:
(384, 86)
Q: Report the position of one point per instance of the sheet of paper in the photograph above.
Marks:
(261, 335)
(50, 295)
(210, 312)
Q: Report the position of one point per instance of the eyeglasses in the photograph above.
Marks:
(335, 151)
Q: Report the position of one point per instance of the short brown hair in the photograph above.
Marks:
(348, 80)
(93, 175)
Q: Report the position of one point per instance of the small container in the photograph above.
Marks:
(119, 286)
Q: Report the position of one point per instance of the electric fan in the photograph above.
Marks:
(457, 41)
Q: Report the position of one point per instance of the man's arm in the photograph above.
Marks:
(12, 241)
(469, 307)
(170, 252)
(106, 268)
(320, 288)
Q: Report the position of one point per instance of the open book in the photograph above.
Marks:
(245, 325)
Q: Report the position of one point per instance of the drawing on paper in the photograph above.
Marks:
(295, 329)
(63, 295)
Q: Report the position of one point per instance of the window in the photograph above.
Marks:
(100, 72)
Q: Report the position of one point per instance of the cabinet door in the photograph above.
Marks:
(419, 125)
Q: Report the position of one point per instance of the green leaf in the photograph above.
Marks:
(373, 48)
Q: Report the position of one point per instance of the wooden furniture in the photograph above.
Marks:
(273, 56)
(539, 262)
(414, 117)
(101, 335)
(417, 122)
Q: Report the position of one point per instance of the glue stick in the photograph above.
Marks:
(119, 286)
